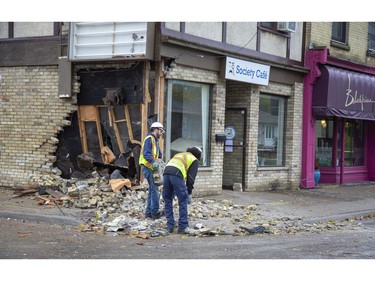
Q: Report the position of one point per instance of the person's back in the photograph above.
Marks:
(179, 177)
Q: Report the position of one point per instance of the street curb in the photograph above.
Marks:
(42, 218)
(340, 217)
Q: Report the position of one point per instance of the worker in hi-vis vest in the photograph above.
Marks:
(178, 179)
(150, 151)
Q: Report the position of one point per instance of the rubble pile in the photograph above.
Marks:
(122, 211)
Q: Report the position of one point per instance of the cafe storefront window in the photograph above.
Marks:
(188, 114)
(271, 131)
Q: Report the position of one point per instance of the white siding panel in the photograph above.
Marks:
(4, 30)
(242, 34)
(33, 29)
(208, 30)
(273, 44)
(296, 43)
(173, 25)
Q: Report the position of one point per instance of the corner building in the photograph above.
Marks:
(235, 89)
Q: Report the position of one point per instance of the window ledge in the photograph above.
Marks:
(272, 168)
(275, 31)
(205, 169)
(340, 45)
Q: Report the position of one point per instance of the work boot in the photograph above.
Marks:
(158, 215)
(170, 229)
(186, 230)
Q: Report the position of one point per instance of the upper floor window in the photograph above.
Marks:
(281, 28)
(371, 36)
(339, 32)
(271, 25)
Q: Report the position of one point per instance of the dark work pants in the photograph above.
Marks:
(175, 185)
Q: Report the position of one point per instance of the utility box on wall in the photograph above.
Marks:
(220, 137)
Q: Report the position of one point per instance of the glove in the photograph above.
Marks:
(155, 166)
(190, 198)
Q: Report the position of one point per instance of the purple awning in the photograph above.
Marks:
(344, 93)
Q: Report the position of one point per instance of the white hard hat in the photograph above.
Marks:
(157, 125)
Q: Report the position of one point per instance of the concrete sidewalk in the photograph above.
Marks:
(327, 202)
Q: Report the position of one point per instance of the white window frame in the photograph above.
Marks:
(186, 141)
(278, 132)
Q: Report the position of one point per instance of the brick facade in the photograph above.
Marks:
(320, 34)
(227, 93)
(31, 115)
(266, 178)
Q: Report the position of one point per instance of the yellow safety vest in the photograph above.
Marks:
(182, 161)
(155, 153)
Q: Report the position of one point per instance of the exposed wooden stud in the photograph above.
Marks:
(159, 97)
(88, 113)
(82, 129)
(128, 122)
(109, 117)
(161, 101)
(143, 108)
(117, 132)
(146, 82)
(99, 128)
(146, 100)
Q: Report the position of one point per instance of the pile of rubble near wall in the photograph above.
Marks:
(122, 211)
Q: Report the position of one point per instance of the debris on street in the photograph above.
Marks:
(121, 210)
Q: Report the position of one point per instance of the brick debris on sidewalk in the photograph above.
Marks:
(98, 208)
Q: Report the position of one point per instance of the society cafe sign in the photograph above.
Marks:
(246, 71)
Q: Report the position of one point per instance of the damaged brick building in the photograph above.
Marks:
(69, 89)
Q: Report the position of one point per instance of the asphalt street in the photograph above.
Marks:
(41, 240)
(29, 232)
(336, 255)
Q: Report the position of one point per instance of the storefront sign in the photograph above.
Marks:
(353, 97)
(246, 71)
(344, 93)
